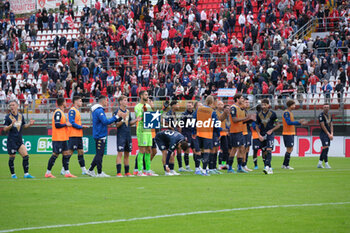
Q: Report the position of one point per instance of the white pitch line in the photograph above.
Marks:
(172, 215)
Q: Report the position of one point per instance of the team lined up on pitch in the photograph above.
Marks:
(232, 132)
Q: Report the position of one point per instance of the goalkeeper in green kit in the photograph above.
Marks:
(144, 137)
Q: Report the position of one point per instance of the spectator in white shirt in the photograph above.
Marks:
(165, 33)
(241, 21)
(203, 20)
(2, 98)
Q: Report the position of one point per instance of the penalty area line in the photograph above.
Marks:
(172, 215)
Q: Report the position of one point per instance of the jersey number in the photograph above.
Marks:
(169, 133)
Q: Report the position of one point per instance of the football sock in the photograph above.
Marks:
(205, 160)
(171, 166)
(187, 159)
(81, 160)
(268, 158)
(136, 164)
(246, 159)
(11, 165)
(51, 162)
(144, 163)
(325, 155)
(220, 157)
(119, 168)
(230, 162)
(140, 162)
(179, 159)
(240, 162)
(255, 157)
(65, 161)
(148, 161)
(286, 159)
(126, 168)
(215, 160)
(211, 161)
(197, 160)
(164, 166)
(25, 163)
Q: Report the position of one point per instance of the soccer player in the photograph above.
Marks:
(99, 132)
(14, 123)
(247, 134)
(124, 142)
(59, 139)
(289, 132)
(167, 142)
(144, 136)
(256, 141)
(75, 133)
(267, 123)
(237, 117)
(170, 119)
(224, 136)
(205, 134)
(326, 135)
(186, 131)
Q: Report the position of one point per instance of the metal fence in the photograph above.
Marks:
(14, 66)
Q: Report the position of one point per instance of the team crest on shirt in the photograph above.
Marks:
(18, 122)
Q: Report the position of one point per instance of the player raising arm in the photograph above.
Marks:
(14, 123)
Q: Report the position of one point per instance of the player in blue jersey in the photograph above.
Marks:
(168, 141)
(326, 135)
(186, 131)
(267, 123)
(170, 119)
(14, 123)
(124, 141)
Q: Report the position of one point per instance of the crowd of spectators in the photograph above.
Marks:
(174, 50)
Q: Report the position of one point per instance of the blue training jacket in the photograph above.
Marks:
(100, 121)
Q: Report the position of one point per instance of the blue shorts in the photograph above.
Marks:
(237, 139)
(75, 143)
(325, 140)
(216, 141)
(192, 143)
(288, 140)
(269, 142)
(161, 145)
(59, 146)
(124, 143)
(256, 144)
(13, 146)
(205, 143)
(247, 140)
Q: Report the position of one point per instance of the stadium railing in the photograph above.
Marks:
(14, 66)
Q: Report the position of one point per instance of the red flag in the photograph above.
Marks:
(70, 22)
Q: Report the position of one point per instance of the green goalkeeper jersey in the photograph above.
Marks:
(139, 110)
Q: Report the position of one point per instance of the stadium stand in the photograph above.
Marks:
(178, 49)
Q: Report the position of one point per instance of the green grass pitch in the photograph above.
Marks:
(46, 202)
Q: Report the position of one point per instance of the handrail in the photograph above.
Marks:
(314, 20)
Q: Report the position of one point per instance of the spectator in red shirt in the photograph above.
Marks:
(44, 81)
(313, 81)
